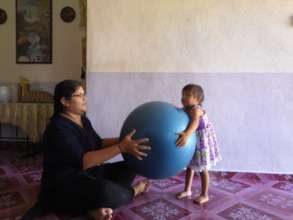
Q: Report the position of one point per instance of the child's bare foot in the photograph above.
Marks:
(141, 187)
(183, 195)
(102, 214)
(201, 200)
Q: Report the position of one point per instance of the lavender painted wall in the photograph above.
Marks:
(252, 113)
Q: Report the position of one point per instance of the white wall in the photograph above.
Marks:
(66, 41)
(240, 51)
(67, 52)
(190, 36)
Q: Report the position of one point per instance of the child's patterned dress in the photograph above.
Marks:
(207, 150)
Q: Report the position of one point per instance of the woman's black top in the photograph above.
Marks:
(64, 144)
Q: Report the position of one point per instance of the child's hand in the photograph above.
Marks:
(182, 139)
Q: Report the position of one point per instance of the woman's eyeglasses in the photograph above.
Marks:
(79, 95)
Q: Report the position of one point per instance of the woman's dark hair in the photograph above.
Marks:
(64, 89)
(196, 91)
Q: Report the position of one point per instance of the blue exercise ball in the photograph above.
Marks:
(160, 122)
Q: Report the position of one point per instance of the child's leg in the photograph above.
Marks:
(188, 183)
(204, 178)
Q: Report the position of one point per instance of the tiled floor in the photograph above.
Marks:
(232, 195)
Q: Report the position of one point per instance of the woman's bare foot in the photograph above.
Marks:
(102, 213)
(141, 187)
(183, 195)
(201, 200)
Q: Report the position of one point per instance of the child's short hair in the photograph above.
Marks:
(196, 91)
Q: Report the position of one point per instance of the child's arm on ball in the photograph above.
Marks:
(195, 115)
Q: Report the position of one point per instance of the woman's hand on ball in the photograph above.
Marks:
(133, 146)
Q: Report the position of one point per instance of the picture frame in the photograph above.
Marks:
(34, 31)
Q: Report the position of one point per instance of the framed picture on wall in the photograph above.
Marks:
(33, 31)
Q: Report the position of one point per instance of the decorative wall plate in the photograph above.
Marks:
(3, 16)
(67, 14)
